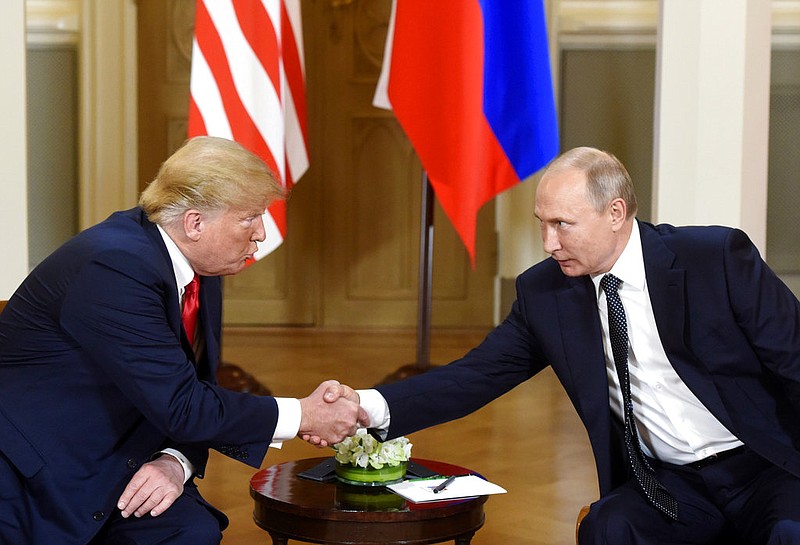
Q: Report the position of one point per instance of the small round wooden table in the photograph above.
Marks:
(290, 507)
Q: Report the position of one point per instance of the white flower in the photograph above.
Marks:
(362, 450)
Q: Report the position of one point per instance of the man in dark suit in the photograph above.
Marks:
(107, 410)
(711, 364)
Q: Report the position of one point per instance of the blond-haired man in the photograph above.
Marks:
(107, 410)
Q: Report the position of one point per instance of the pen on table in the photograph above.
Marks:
(444, 484)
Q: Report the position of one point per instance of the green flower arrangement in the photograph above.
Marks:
(363, 460)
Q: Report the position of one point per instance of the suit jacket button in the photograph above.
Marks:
(98, 515)
(132, 464)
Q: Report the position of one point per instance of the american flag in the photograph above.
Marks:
(248, 85)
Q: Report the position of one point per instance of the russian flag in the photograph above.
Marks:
(469, 82)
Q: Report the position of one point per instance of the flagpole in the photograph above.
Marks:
(425, 277)
(424, 298)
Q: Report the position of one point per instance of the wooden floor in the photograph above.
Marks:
(529, 441)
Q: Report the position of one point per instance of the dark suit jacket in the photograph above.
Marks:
(730, 328)
(96, 375)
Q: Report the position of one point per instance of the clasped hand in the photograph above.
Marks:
(330, 414)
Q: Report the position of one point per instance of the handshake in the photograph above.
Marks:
(330, 414)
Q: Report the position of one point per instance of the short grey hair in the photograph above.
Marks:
(606, 177)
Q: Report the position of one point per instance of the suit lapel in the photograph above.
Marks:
(210, 312)
(586, 380)
(667, 287)
(582, 340)
(667, 291)
(172, 305)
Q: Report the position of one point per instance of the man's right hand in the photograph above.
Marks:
(153, 488)
(330, 414)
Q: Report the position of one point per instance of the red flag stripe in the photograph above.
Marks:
(461, 114)
(196, 124)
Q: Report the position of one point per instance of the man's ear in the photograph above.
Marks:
(618, 210)
(193, 224)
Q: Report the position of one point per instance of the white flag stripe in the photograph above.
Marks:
(296, 152)
(273, 9)
(252, 82)
(273, 240)
(381, 98)
(206, 96)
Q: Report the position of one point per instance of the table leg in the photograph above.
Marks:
(278, 539)
(464, 539)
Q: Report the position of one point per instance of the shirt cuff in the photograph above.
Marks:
(377, 409)
(188, 467)
(289, 416)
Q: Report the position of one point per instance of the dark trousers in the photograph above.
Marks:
(740, 499)
(189, 521)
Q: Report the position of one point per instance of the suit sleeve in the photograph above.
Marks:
(507, 357)
(116, 311)
(766, 310)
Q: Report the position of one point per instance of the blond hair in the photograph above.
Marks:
(208, 174)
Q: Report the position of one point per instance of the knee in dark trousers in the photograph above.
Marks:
(785, 532)
(188, 521)
(603, 526)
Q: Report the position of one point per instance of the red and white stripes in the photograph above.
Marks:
(248, 85)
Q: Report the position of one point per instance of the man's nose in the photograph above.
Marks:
(550, 242)
(259, 233)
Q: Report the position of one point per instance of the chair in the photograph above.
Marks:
(583, 512)
(2, 305)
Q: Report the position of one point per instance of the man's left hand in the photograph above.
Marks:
(153, 488)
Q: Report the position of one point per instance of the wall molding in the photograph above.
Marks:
(603, 23)
(785, 23)
(52, 22)
(611, 23)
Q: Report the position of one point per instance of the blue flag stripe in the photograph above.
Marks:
(518, 90)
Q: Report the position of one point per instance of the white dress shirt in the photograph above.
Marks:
(673, 425)
(289, 412)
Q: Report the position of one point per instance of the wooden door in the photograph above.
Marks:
(351, 255)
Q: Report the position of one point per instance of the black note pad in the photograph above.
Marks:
(323, 472)
(413, 469)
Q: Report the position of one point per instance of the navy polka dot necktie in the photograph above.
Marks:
(618, 331)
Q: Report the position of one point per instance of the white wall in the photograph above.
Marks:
(712, 115)
(13, 149)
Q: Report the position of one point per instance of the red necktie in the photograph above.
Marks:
(191, 304)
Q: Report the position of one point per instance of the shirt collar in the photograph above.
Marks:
(629, 266)
(180, 265)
